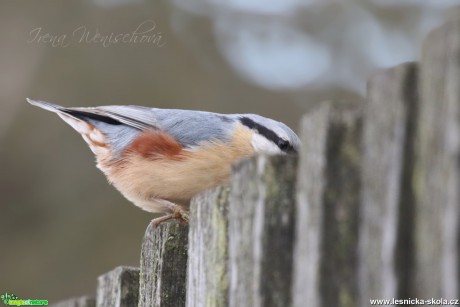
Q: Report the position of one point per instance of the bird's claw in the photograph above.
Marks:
(177, 213)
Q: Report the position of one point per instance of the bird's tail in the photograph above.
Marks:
(133, 116)
(79, 121)
(46, 105)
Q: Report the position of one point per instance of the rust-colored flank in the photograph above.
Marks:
(152, 144)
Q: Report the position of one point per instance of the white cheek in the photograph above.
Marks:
(263, 145)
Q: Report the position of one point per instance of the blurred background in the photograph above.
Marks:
(61, 224)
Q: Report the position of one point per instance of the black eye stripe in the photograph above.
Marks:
(268, 134)
(283, 144)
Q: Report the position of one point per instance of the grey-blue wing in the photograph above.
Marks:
(133, 116)
(188, 127)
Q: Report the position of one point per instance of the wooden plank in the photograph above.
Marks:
(207, 277)
(84, 301)
(261, 231)
(437, 170)
(387, 214)
(118, 288)
(164, 266)
(327, 207)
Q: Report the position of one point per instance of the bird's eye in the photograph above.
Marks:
(283, 144)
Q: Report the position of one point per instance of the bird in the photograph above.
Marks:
(160, 158)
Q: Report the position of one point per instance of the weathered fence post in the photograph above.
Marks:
(387, 211)
(261, 231)
(207, 278)
(118, 288)
(327, 207)
(164, 266)
(437, 172)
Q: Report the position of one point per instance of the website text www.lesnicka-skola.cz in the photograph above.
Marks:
(415, 301)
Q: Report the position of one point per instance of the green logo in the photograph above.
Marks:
(10, 299)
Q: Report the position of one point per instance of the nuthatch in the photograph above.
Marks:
(160, 158)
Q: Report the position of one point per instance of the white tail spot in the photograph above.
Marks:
(92, 136)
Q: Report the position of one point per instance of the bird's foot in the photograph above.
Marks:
(181, 216)
(160, 220)
(176, 212)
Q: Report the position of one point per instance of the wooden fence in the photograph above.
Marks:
(369, 209)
